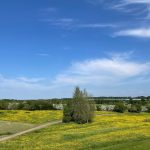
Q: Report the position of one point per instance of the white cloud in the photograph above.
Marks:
(26, 88)
(136, 1)
(139, 32)
(142, 6)
(30, 80)
(69, 23)
(115, 76)
(97, 25)
(99, 71)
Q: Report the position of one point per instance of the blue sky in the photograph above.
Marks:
(47, 47)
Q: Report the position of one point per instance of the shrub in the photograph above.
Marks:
(148, 108)
(135, 108)
(98, 107)
(120, 107)
(68, 113)
(79, 109)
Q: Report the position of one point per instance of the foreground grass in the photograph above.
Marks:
(119, 131)
(34, 117)
(14, 121)
(8, 128)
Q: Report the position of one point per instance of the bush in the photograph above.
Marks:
(148, 108)
(79, 109)
(135, 108)
(67, 113)
(120, 107)
(98, 107)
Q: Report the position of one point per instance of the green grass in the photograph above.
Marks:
(14, 121)
(117, 132)
(8, 128)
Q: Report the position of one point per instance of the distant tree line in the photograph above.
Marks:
(50, 104)
(27, 105)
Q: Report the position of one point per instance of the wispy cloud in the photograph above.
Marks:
(108, 76)
(121, 56)
(97, 25)
(61, 22)
(70, 23)
(30, 80)
(138, 7)
(117, 75)
(100, 71)
(139, 32)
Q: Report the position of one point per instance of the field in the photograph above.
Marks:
(8, 128)
(33, 117)
(15, 121)
(109, 131)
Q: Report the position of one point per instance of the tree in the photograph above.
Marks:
(148, 108)
(80, 109)
(98, 107)
(135, 108)
(68, 113)
(120, 107)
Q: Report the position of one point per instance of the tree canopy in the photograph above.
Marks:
(80, 109)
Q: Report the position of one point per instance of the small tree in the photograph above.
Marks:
(98, 107)
(80, 109)
(68, 113)
(120, 107)
(148, 108)
(135, 108)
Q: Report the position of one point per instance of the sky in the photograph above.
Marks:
(47, 47)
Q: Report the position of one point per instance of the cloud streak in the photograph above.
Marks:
(70, 23)
(97, 25)
(141, 7)
(139, 32)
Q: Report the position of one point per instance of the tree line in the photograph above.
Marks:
(45, 104)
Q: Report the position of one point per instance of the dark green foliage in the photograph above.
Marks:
(79, 109)
(98, 107)
(148, 108)
(135, 108)
(143, 101)
(3, 105)
(68, 113)
(26, 105)
(120, 107)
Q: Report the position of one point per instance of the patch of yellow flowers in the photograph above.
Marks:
(104, 131)
(30, 116)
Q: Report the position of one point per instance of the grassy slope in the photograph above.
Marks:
(120, 131)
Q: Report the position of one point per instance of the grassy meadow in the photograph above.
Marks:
(109, 131)
(13, 121)
(8, 128)
(33, 117)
